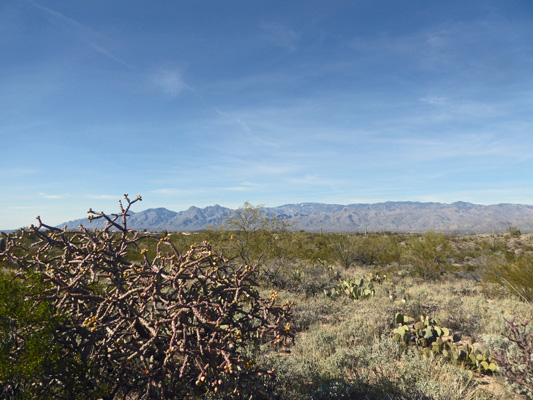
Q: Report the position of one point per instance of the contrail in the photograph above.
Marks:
(88, 32)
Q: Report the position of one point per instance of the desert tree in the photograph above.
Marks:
(254, 235)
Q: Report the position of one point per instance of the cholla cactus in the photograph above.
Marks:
(154, 328)
(517, 363)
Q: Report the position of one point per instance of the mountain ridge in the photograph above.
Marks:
(391, 216)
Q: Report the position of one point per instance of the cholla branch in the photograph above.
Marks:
(517, 366)
(150, 327)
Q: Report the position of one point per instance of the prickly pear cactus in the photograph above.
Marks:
(355, 289)
(435, 340)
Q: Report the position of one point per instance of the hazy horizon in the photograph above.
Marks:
(203, 103)
(138, 208)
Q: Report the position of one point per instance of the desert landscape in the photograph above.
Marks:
(327, 200)
(257, 310)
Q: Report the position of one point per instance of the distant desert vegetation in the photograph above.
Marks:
(254, 309)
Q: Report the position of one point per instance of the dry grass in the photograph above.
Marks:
(344, 348)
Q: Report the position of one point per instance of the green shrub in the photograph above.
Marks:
(514, 277)
(514, 231)
(297, 277)
(428, 254)
(357, 249)
(254, 236)
(32, 364)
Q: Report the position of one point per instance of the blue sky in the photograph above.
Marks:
(271, 102)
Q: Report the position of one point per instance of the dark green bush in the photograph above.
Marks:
(32, 364)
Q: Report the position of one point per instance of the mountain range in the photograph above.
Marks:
(409, 217)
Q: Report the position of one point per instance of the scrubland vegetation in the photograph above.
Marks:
(255, 310)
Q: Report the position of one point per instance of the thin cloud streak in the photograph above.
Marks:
(243, 187)
(88, 35)
(246, 128)
(103, 197)
(110, 56)
(51, 196)
(67, 20)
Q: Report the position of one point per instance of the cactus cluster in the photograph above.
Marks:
(376, 277)
(471, 358)
(355, 289)
(440, 341)
(398, 294)
(423, 333)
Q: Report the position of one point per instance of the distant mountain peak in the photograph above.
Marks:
(401, 216)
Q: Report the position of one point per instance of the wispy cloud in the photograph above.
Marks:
(264, 168)
(103, 197)
(280, 35)
(243, 187)
(434, 100)
(167, 191)
(170, 81)
(18, 172)
(313, 180)
(243, 125)
(465, 50)
(470, 150)
(52, 196)
(63, 18)
(512, 194)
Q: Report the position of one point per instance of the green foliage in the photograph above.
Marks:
(344, 248)
(166, 327)
(254, 236)
(297, 276)
(514, 231)
(470, 357)
(376, 277)
(363, 249)
(428, 254)
(387, 248)
(514, 276)
(32, 364)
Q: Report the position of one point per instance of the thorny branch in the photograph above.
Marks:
(153, 326)
(518, 368)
